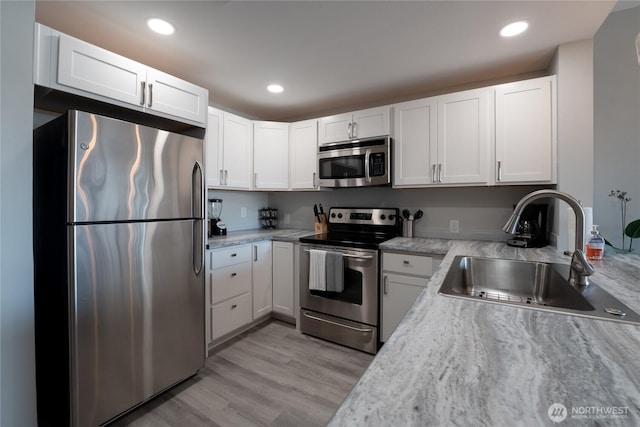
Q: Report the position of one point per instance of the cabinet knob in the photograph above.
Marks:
(233, 255)
(234, 274)
(405, 262)
(234, 306)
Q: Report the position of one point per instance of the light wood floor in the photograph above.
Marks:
(271, 375)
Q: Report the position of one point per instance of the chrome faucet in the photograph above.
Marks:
(581, 269)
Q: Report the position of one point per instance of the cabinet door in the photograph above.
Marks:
(398, 295)
(100, 72)
(415, 144)
(213, 148)
(303, 152)
(171, 95)
(525, 131)
(271, 155)
(262, 285)
(238, 153)
(371, 122)
(464, 125)
(283, 278)
(334, 128)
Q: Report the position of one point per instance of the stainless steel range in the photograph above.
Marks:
(339, 276)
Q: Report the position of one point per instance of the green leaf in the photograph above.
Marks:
(633, 229)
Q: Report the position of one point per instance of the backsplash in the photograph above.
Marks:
(480, 211)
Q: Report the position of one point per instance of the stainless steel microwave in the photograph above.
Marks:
(357, 163)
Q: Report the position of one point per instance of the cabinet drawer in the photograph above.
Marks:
(228, 282)
(230, 315)
(409, 264)
(230, 256)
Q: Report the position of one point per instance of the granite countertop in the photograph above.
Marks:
(460, 362)
(249, 236)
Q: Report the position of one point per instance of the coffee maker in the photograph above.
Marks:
(216, 226)
(531, 231)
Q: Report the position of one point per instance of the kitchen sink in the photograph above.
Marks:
(535, 285)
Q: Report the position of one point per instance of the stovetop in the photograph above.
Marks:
(363, 228)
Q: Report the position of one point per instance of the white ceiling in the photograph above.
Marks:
(330, 56)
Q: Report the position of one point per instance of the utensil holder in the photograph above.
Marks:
(320, 227)
(407, 228)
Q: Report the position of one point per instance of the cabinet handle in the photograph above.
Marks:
(150, 95)
(221, 174)
(234, 255)
(433, 173)
(234, 274)
(255, 179)
(142, 91)
(226, 175)
(354, 130)
(255, 253)
(234, 306)
(499, 170)
(385, 288)
(439, 172)
(314, 180)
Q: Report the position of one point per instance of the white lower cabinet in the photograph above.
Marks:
(229, 286)
(262, 283)
(404, 276)
(283, 283)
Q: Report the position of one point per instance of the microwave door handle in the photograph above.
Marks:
(367, 172)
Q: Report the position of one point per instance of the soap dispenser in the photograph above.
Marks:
(595, 245)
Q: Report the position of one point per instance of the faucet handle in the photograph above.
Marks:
(581, 269)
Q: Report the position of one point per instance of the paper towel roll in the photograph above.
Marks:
(571, 224)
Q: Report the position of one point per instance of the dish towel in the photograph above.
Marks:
(334, 271)
(317, 270)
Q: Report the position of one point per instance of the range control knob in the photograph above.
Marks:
(383, 217)
(391, 217)
(333, 215)
(339, 215)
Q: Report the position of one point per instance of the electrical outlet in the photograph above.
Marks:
(243, 212)
(287, 218)
(454, 226)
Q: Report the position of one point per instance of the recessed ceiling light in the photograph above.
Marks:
(513, 29)
(160, 26)
(275, 88)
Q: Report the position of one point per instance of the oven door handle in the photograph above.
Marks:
(336, 323)
(350, 255)
(367, 172)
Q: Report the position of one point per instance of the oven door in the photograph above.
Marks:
(358, 301)
(355, 163)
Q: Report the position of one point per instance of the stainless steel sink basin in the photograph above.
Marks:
(536, 285)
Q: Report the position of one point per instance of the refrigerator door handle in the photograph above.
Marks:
(198, 252)
(196, 191)
(197, 213)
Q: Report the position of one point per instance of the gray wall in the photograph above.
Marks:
(234, 201)
(17, 363)
(617, 121)
(481, 211)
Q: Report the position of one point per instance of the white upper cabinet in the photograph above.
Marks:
(214, 148)
(464, 126)
(526, 132)
(359, 124)
(174, 96)
(303, 148)
(98, 71)
(65, 63)
(237, 152)
(443, 140)
(271, 155)
(414, 141)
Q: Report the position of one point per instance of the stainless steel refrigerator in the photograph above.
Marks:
(118, 255)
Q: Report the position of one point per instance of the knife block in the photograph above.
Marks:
(320, 227)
